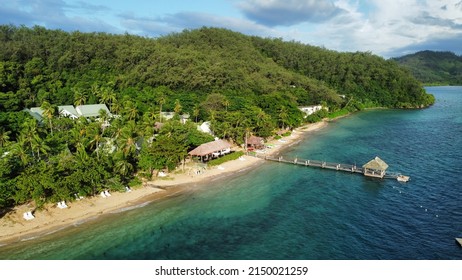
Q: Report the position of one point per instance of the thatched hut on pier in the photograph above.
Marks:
(375, 168)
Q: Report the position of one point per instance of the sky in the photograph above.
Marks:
(387, 28)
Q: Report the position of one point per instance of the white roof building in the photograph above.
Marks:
(308, 110)
(91, 110)
(69, 111)
(169, 115)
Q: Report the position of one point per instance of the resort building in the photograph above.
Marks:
(35, 112)
(92, 110)
(308, 110)
(211, 150)
(375, 168)
(165, 116)
(69, 111)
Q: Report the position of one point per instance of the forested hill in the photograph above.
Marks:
(364, 77)
(37, 64)
(431, 67)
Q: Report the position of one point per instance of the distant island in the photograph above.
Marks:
(151, 95)
(434, 68)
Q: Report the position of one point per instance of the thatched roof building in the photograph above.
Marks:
(209, 148)
(255, 142)
(375, 168)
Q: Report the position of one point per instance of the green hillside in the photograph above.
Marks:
(429, 67)
(39, 64)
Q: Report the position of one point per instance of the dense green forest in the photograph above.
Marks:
(434, 68)
(241, 84)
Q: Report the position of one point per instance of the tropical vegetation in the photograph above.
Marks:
(243, 85)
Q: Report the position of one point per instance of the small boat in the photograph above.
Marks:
(402, 178)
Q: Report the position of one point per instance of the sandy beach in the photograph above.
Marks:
(14, 228)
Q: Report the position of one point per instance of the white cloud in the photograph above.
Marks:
(54, 14)
(144, 25)
(154, 26)
(389, 25)
(288, 12)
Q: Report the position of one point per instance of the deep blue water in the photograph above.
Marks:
(279, 211)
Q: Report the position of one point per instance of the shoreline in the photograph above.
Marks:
(50, 219)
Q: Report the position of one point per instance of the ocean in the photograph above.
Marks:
(282, 211)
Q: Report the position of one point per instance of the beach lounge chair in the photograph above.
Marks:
(103, 195)
(106, 192)
(28, 216)
(62, 204)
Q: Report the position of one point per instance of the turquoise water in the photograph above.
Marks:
(278, 211)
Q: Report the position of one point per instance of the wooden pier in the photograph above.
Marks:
(332, 166)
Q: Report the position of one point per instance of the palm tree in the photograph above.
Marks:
(4, 137)
(226, 103)
(123, 166)
(48, 113)
(19, 149)
(151, 114)
(29, 134)
(107, 96)
(95, 89)
(127, 141)
(130, 110)
(81, 154)
(95, 137)
(40, 147)
(161, 100)
(283, 116)
(196, 111)
(80, 97)
(226, 129)
(260, 117)
(116, 106)
(246, 137)
(178, 107)
(104, 118)
(148, 125)
(116, 129)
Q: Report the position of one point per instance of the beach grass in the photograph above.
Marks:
(223, 159)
